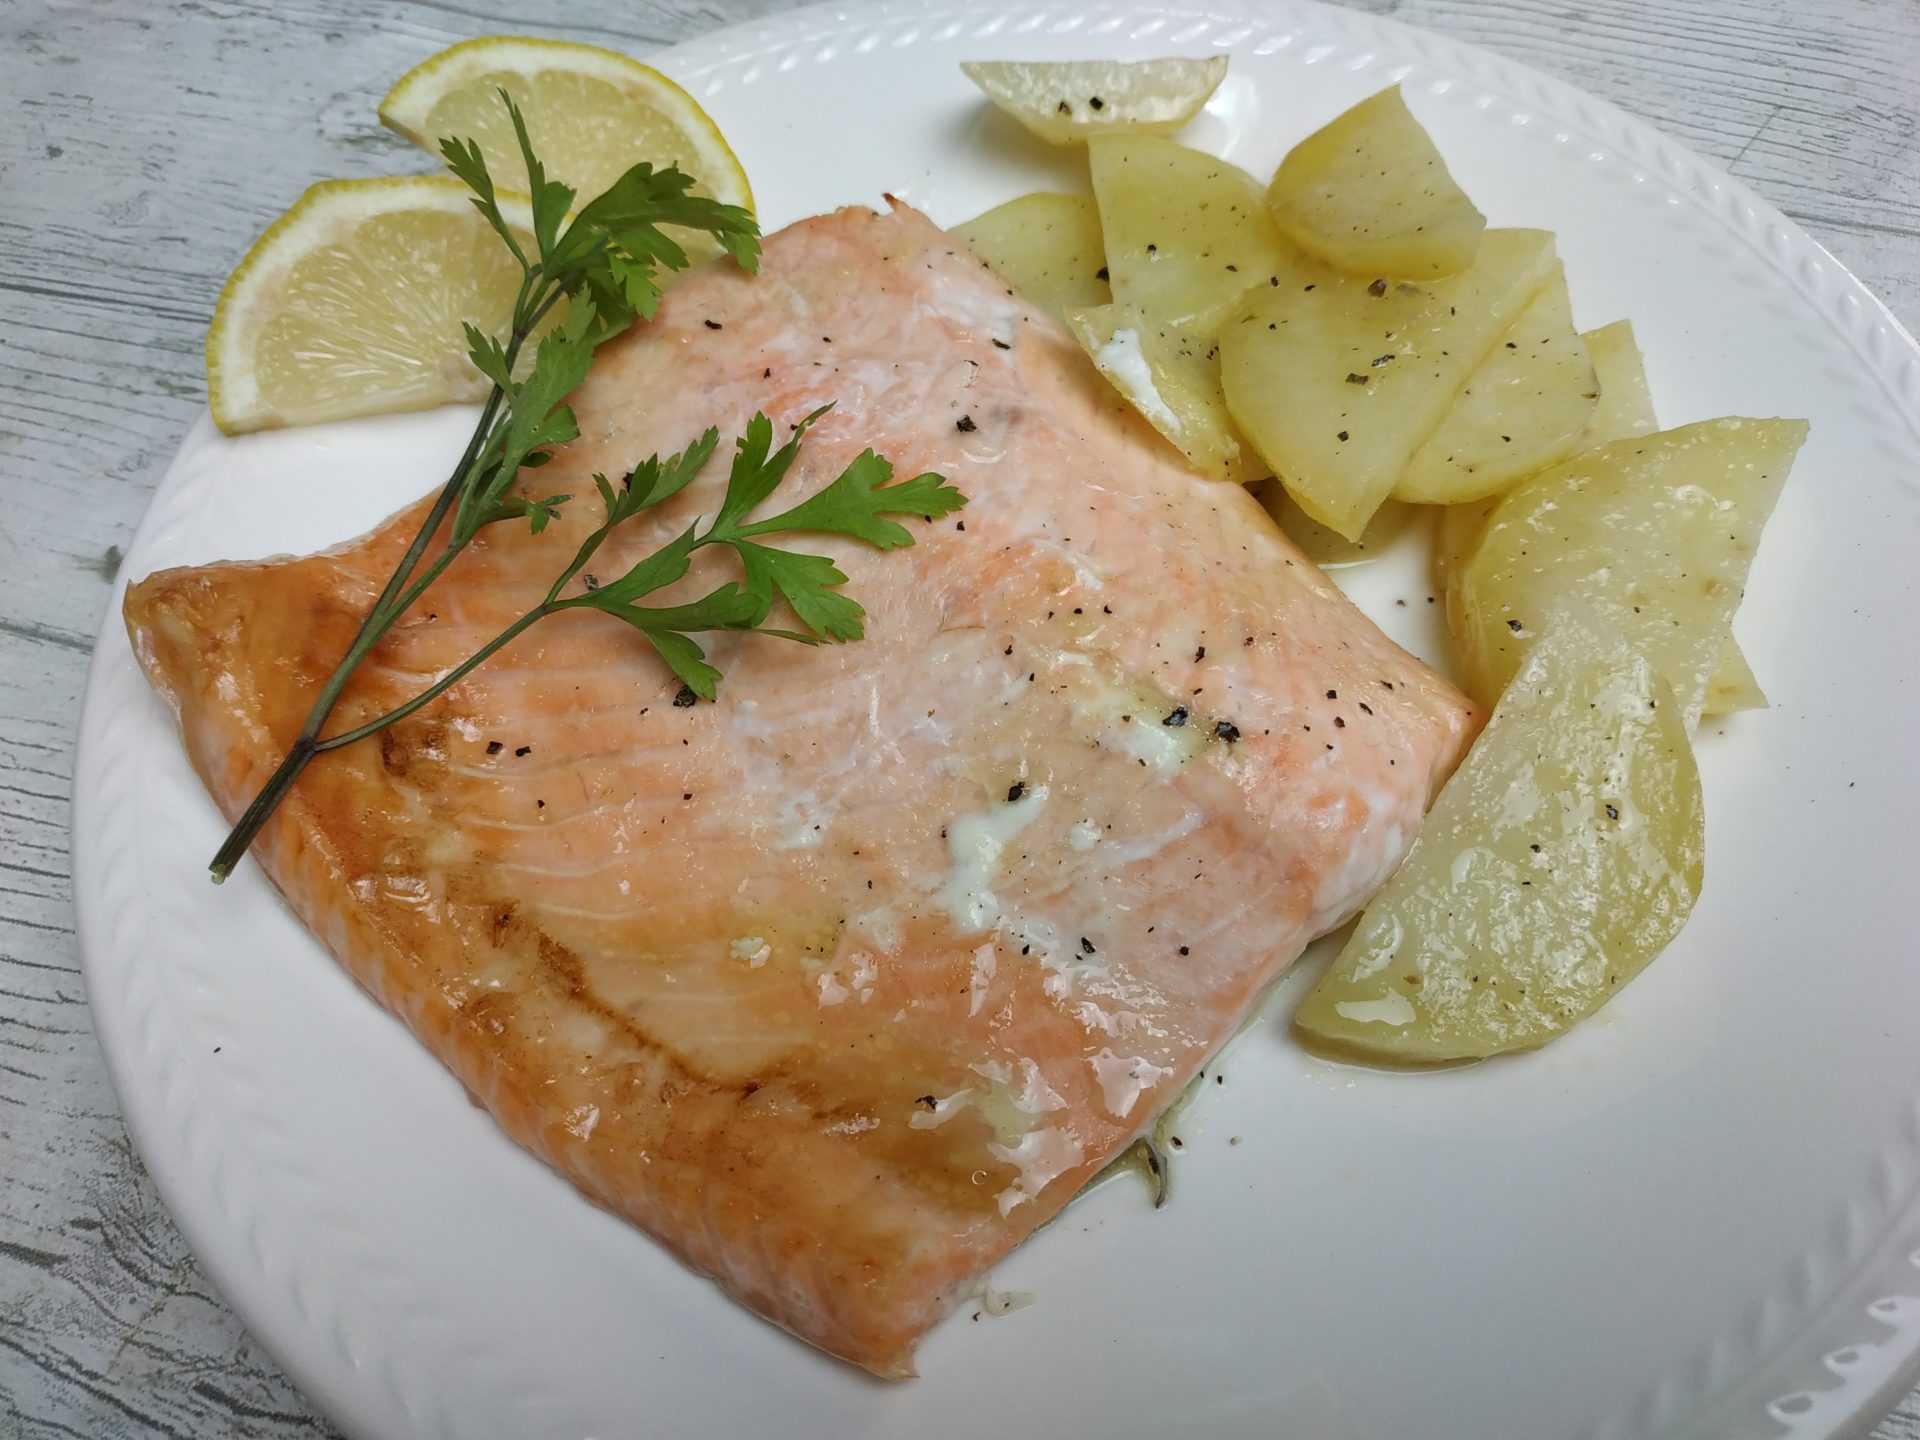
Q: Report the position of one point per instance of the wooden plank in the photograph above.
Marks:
(135, 174)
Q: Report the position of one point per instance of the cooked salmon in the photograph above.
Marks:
(841, 985)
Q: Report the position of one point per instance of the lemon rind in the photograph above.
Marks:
(324, 210)
(405, 107)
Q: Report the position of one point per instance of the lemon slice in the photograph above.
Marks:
(1065, 102)
(351, 304)
(591, 114)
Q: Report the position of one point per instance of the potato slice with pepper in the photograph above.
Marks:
(1521, 410)
(1368, 192)
(1625, 408)
(1654, 533)
(1455, 532)
(1626, 401)
(1171, 379)
(1186, 233)
(1048, 247)
(1562, 857)
(1337, 380)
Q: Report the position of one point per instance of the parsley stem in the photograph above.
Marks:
(384, 610)
(255, 815)
(396, 597)
(549, 606)
(439, 687)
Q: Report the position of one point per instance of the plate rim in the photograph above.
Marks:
(1869, 329)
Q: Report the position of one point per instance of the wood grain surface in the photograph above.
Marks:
(142, 146)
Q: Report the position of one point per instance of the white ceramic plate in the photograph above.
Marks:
(1695, 1216)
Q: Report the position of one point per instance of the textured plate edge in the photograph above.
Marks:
(241, 1285)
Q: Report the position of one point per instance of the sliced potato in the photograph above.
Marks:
(1654, 533)
(1564, 854)
(1523, 409)
(1337, 380)
(1369, 193)
(1455, 533)
(1732, 686)
(1171, 379)
(1625, 408)
(1626, 404)
(1063, 102)
(1048, 247)
(1186, 233)
(1326, 548)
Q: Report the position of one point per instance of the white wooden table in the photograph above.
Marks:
(141, 148)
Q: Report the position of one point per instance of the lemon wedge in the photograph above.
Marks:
(1062, 102)
(351, 304)
(591, 114)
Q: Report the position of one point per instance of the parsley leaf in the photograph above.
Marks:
(488, 355)
(664, 566)
(538, 512)
(755, 472)
(650, 482)
(685, 658)
(463, 157)
(614, 245)
(551, 199)
(854, 504)
(809, 584)
(537, 416)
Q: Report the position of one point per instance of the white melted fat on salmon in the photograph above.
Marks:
(841, 985)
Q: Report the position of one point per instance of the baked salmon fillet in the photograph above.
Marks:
(841, 985)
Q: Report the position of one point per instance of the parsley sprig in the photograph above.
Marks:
(602, 265)
(856, 504)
